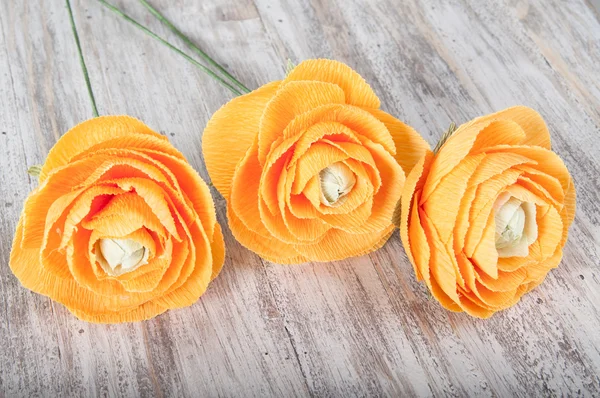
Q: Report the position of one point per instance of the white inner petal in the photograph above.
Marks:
(119, 256)
(516, 226)
(531, 228)
(337, 180)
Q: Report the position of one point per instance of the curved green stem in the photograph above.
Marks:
(191, 45)
(82, 61)
(172, 47)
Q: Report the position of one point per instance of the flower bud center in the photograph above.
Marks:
(516, 226)
(119, 256)
(337, 180)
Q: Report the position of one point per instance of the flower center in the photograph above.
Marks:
(516, 226)
(337, 181)
(119, 256)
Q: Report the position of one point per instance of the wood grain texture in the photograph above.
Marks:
(361, 327)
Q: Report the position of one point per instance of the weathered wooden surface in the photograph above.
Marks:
(361, 327)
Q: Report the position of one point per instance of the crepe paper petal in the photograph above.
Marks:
(450, 191)
(392, 182)
(420, 252)
(530, 121)
(318, 157)
(304, 229)
(320, 174)
(543, 160)
(269, 248)
(412, 192)
(196, 191)
(362, 192)
(485, 218)
(454, 150)
(293, 99)
(498, 132)
(90, 133)
(189, 289)
(121, 228)
(485, 255)
(357, 91)
(334, 246)
(230, 133)
(51, 189)
(482, 207)
(51, 256)
(444, 273)
(567, 213)
(438, 293)
(66, 291)
(243, 199)
(410, 146)
(359, 123)
(543, 183)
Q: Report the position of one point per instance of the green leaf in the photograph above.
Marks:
(35, 170)
(445, 137)
(397, 216)
(289, 67)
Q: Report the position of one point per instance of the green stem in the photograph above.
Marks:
(82, 61)
(191, 45)
(172, 47)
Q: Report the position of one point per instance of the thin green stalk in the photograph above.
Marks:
(172, 47)
(191, 45)
(82, 61)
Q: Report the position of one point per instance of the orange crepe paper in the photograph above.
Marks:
(310, 167)
(449, 212)
(121, 228)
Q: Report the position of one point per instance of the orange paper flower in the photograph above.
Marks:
(121, 228)
(310, 167)
(486, 218)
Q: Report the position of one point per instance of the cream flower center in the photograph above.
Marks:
(119, 256)
(337, 180)
(516, 226)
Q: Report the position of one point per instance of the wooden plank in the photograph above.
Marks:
(432, 69)
(233, 340)
(359, 327)
(39, 98)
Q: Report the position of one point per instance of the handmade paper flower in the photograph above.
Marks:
(486, 218)
(310, 167)
(121, 228)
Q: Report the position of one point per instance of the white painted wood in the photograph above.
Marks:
(361, 327)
